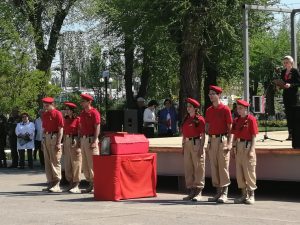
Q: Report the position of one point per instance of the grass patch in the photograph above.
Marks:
(262, 129)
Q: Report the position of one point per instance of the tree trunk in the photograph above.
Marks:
(146, 74)
(129, 60)
(210, 79)
(189, 81)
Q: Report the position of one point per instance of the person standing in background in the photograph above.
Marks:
(291, 77)
(167, 120)
(25, 136)
(140, 113)
(150, 119)
(38, 139)
(13, 120)
(3, 134)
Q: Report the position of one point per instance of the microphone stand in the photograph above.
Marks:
(266, 116)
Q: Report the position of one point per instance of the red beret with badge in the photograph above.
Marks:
(70, 105)
(194, 102)
(87, 97)
(48, 100)
(242, 102)
(217, 89)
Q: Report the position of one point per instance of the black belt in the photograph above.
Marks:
(243, 140)
(217, 135)
(70, 135)
(194, 138)
(87, 136)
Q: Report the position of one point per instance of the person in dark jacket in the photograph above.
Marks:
(13, 120)
(3, 133)
(167, 120)
(291, 77)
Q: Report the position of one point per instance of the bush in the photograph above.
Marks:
(272, 123)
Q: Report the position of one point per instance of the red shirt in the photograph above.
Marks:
(192, 127)
(88, 120)
(52, 120)
(218, 118)
(245, 127)
(71, 126)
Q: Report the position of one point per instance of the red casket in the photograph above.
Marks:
(124, 143)
(119, 177)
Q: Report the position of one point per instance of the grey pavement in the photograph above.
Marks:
(22, 202)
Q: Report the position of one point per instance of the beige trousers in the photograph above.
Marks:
(245, 166)
(87, 157)
(52, 158)
(194, 164)
(72, 159)
(219, 162)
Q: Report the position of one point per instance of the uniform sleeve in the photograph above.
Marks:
(207, 119)
(96, 117)
(253, 128)
(201, 125)
(234, 125)
(228, 116)
(60, 119)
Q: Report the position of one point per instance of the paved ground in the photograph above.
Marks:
(22, 202)
(267, 144)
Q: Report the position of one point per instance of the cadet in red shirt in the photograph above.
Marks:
(89, 132)
(71, 148)
(218, 126)
(52, 122)
(193, 131)
(245, 130)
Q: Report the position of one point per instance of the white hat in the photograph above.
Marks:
(140, 99)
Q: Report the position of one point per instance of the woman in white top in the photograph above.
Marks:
(25, 133)
(150, 119)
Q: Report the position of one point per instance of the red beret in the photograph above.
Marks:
(48, 100)
(87, 97)
(242, 102)
(70, 105)
(194, 102)
(217, 89)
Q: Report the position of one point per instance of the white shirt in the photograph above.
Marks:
(23, 128)
(149, 117)
(39, 129)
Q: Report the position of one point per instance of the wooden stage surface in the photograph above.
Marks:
(275, 160)
(173, 144)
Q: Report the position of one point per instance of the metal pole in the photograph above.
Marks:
(106, 95)
(246, 53)
(294, 37)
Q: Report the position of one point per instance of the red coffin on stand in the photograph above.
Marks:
(119, 177)
(124, 143)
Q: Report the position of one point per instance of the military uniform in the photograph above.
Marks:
(88, 120)
(244, 129)
(193, 131)
(72, 151)
(218, 118)
(52, 121)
